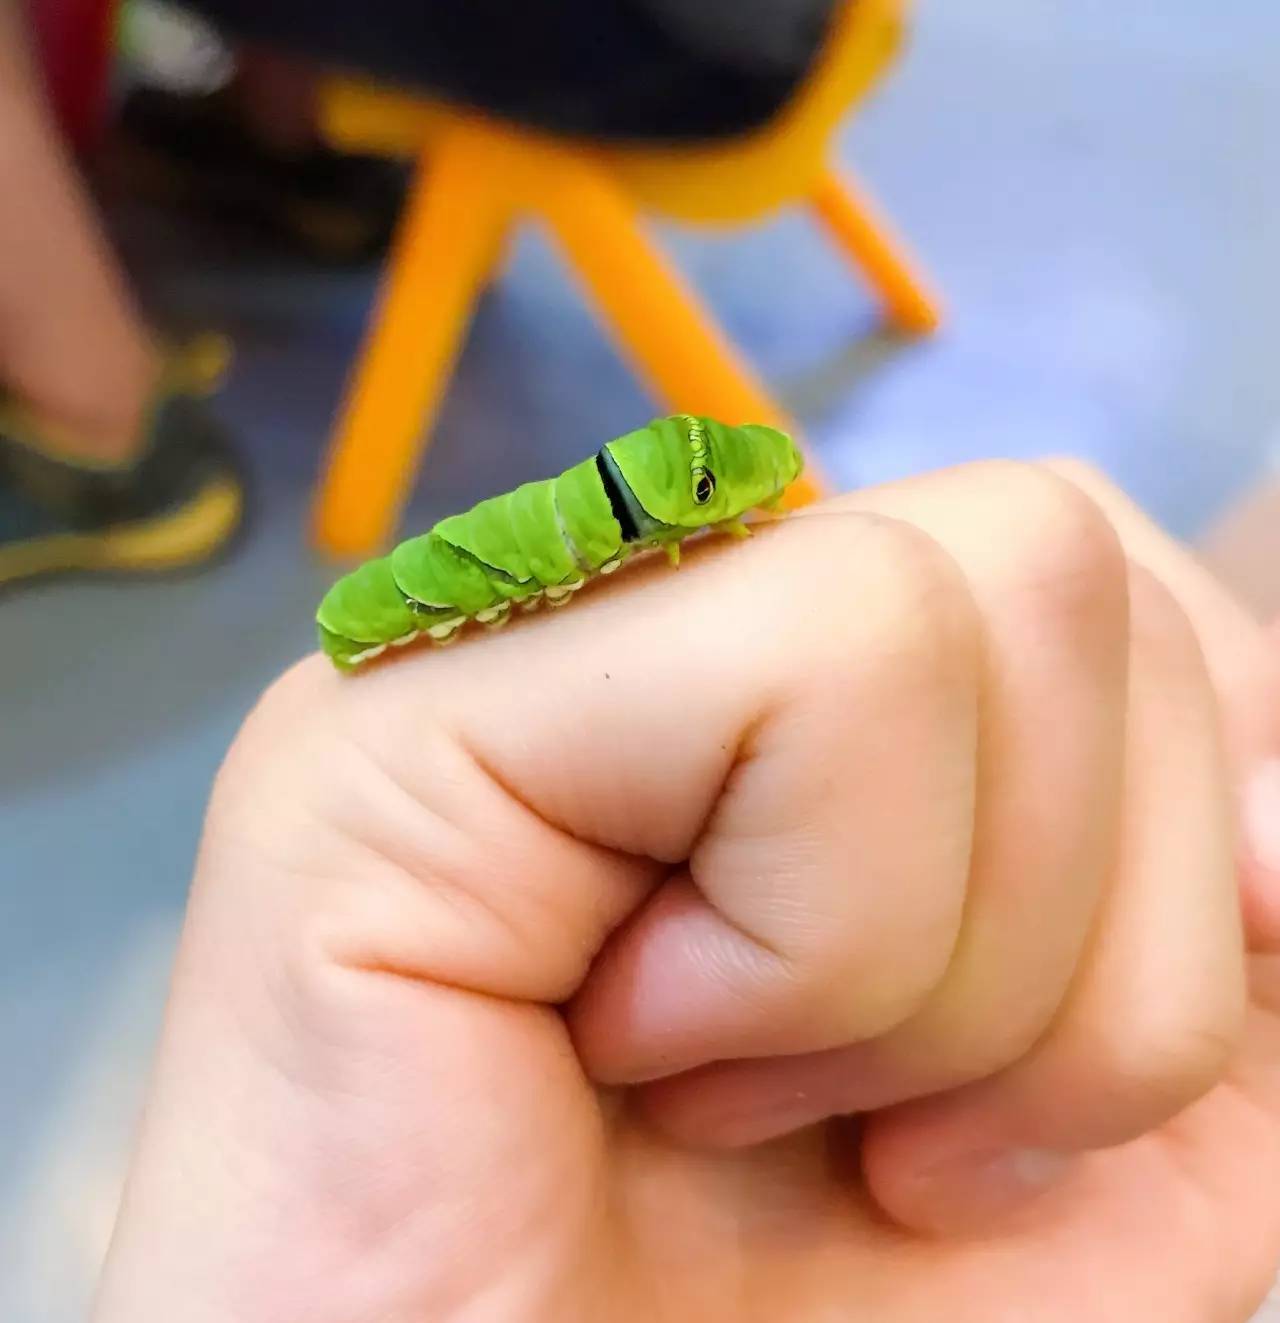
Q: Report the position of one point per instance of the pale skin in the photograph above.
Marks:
(929, 804)
(1243, 546)
(74, 348)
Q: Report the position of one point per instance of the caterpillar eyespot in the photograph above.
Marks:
(545, 540)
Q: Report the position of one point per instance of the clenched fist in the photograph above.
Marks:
(868, 921)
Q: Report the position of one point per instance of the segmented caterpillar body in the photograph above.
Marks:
(544, 540)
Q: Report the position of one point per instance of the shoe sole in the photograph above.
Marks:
(191, 536)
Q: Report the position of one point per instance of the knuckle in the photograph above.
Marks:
(287, 731)
(1065, 556)
(1081, 473)
(288, 699)
(902, 622)
(903, 648)
(922, 597)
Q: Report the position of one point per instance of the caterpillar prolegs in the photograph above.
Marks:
(542, 542)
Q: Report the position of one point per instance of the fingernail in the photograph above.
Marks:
(981, 1188)
(1261, 815)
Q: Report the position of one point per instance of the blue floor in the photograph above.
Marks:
(1099, 200)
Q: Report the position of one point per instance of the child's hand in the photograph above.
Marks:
(503, 961)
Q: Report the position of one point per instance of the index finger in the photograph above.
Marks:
(745, 714)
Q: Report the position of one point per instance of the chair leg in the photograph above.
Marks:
(865, 236)
(449, 239)
(656, 319)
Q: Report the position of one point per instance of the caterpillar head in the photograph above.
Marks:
(688, 472)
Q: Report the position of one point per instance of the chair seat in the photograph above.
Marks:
(478, 176)
(716, 183)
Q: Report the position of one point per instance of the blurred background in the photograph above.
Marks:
(1091, 191)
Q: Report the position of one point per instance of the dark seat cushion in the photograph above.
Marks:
(619, 69)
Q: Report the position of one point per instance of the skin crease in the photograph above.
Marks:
(930, 789)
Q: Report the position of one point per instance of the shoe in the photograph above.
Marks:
(195, 151)
(178, 504)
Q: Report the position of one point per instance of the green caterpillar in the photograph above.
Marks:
(542, 542)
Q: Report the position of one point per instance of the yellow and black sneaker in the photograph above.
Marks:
(177, 504)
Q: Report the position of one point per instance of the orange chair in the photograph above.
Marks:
(477, 178)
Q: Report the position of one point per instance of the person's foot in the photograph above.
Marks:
(178, 503)
(197, 150)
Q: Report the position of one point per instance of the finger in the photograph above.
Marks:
(742, 715)
(1244, 661)
(810, 913)
(399, 868)
(1235, 644)
(1157, 1008)
(1049, 577)
(1242, 548)
(1242, 656)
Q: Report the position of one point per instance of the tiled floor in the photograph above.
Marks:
(1097, 194)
